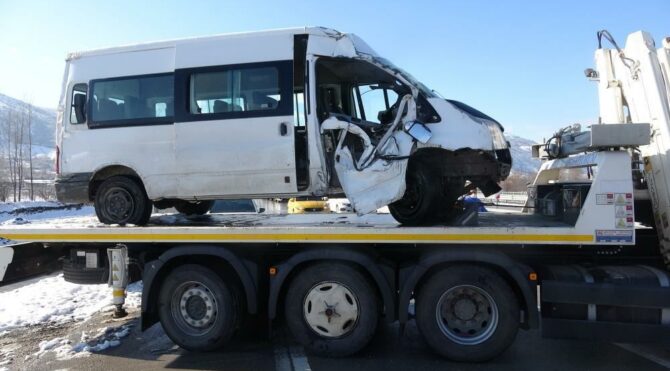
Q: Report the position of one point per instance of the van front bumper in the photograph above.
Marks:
(73, 187)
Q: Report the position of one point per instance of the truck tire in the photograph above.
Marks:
(197, 309)
(79, 274)
(419, 205)
(332, 309)
(467, 313)
(194, 208)
(122, 200)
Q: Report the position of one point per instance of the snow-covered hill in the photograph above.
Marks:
(522, 160)
(43, 124)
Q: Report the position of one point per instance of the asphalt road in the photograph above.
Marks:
(388, 351)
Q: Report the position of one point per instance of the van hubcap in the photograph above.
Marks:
(119, 203)
(331, 309)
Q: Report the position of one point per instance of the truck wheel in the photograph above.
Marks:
(194, 208)
(467, 313)
(332, 309)
(197, 308)
(420, 202)
(121, 200)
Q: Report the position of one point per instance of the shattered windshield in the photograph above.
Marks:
(419, 85)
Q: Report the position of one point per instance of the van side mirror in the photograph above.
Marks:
(79, 105)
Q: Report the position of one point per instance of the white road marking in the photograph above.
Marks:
(640, 351)
(299, 359)
(282, 359)
(289, 357)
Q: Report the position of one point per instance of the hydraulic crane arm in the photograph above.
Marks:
(634, 87)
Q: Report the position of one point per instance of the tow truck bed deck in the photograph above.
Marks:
(498, 227)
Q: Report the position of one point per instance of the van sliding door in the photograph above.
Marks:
(236, 136)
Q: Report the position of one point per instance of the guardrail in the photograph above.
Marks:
(506, 198)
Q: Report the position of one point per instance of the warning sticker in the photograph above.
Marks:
(625, 222)
(614, 236)
(605, 199)
(623, 199)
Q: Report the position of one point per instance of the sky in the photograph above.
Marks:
(520, 62)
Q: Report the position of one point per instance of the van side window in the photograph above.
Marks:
(235, 90)
(140, 100)
(78, 104)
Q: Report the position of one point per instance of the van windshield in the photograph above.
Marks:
(418, 84)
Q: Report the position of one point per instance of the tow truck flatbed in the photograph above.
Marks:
(575, 263)
(498, 227)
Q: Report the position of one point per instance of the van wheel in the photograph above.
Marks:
(122, 200)
(420, 202)
(197, 309)
(467, 313)
(332, 309)
(194, 208)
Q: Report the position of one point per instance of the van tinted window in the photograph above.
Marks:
(235, 90)
(133, 100)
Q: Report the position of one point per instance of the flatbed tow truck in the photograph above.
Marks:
(577, 262)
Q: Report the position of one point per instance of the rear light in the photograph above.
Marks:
(57, 160)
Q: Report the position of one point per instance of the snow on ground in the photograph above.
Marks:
(64, 348)
(51, 300)
(6, 207)
(48, 216)
(49, 212)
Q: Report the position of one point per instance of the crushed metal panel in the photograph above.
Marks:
(380, 184)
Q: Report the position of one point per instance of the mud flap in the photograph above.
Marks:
(23, 260)
(6, 255)
(380, 183)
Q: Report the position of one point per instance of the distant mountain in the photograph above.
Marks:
(43, 120)
(522, 160)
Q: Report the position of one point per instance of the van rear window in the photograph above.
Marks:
(235, 90)
(132, 100)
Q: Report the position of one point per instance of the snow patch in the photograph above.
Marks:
(52, 300)
(107, 337)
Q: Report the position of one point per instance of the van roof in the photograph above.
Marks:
(323, 31)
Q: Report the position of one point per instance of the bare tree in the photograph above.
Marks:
(30, 148)
(14, 129)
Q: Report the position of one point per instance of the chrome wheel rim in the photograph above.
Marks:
(467, 315)
(331, 309)
(194, 308)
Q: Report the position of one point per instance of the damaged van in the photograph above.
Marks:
(305, 112)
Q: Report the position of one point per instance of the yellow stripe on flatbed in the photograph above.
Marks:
(297, 237)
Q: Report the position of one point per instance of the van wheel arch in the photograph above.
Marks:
(106, 172)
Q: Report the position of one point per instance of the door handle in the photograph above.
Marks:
(283, 129)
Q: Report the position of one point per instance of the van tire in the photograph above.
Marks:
(197, 291)
(194, 207)
(467, 313)
(421, 202)
(350, 282)
(122, 200)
